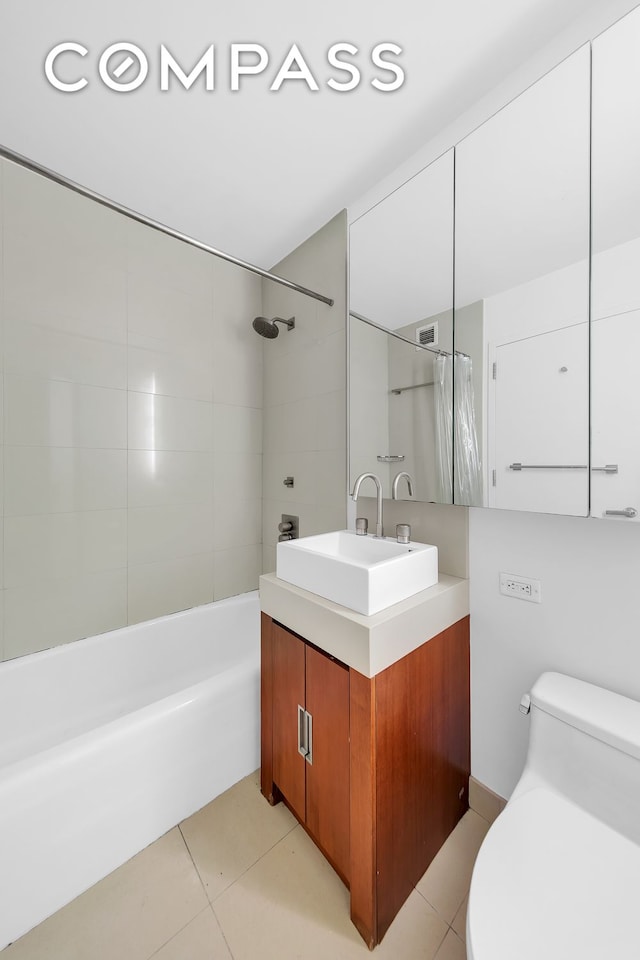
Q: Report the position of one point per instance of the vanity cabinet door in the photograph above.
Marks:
(288, 660)
(311, 689)
(328, 773)
(615, 276)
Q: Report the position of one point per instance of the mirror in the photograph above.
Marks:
(400, 394)
(615, 304)
(522, 300)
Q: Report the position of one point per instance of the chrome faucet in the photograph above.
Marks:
(398, 477)
(354, 496)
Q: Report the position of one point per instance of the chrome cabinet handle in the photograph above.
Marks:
(627, 512)
(309, 756)
(548, 466)
(609, 468)
(305, 734)
(303, 748)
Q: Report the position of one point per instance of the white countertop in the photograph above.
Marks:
(368, 644)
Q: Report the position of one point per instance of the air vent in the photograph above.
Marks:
(428, 335)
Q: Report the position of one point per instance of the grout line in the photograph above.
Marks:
(195, 865)
(179, 931)
(217, 919)
(452, 931)
(244, 872)
(261, 857)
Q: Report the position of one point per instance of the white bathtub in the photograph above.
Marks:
(107, 743)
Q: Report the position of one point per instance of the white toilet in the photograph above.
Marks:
(558, 875)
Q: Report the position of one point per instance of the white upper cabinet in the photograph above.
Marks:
(540, 386)
(615, 281)
(522, 297)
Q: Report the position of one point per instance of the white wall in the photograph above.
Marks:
(586, 625)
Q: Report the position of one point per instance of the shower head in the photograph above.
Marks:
(267, 328)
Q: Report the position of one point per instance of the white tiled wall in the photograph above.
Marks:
(305, 392)
(132, 420)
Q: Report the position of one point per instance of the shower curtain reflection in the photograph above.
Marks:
(443, 396)
(454, 409)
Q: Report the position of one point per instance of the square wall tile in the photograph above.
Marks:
(237, 429)
(55, 290)
(157, 257)
(169, 423)
(306, 370)
(52, 413)
(319, 263)
(237, 298)
(35, 350)
(237, 523)
(156, 589)
(174, 370)
(162, 478)
(331, 477)
(237, 358)
(307, 425)
(63, 545)
(288, 427)
(169, 532)
(63, 479)
(236, 571)
(322, 518)
(268, 558)
(300, 466)
(237, 477)
(57, 220)
(45, 613)
(169, 314)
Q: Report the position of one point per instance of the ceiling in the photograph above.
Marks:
(253, 172)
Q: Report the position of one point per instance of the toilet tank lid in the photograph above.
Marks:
(600, 713)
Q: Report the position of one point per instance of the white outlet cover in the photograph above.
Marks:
(520, 588)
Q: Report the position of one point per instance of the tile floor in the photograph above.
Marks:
(241, 880)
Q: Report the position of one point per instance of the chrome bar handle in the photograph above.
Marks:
(309, 756)
(608, 468)
(627, 512)
(548, 466)
(303, 748)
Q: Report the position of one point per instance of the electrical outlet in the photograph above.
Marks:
(522, 588)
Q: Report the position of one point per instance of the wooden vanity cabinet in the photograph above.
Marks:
(390, 764)
(315, 786)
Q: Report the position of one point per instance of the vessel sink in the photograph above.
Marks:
(364, 573)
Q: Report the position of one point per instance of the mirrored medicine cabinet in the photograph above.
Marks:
(539, 410)
(615, 272)
(401, 386)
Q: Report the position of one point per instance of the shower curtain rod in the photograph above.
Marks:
(398, 336)
(22, 161)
